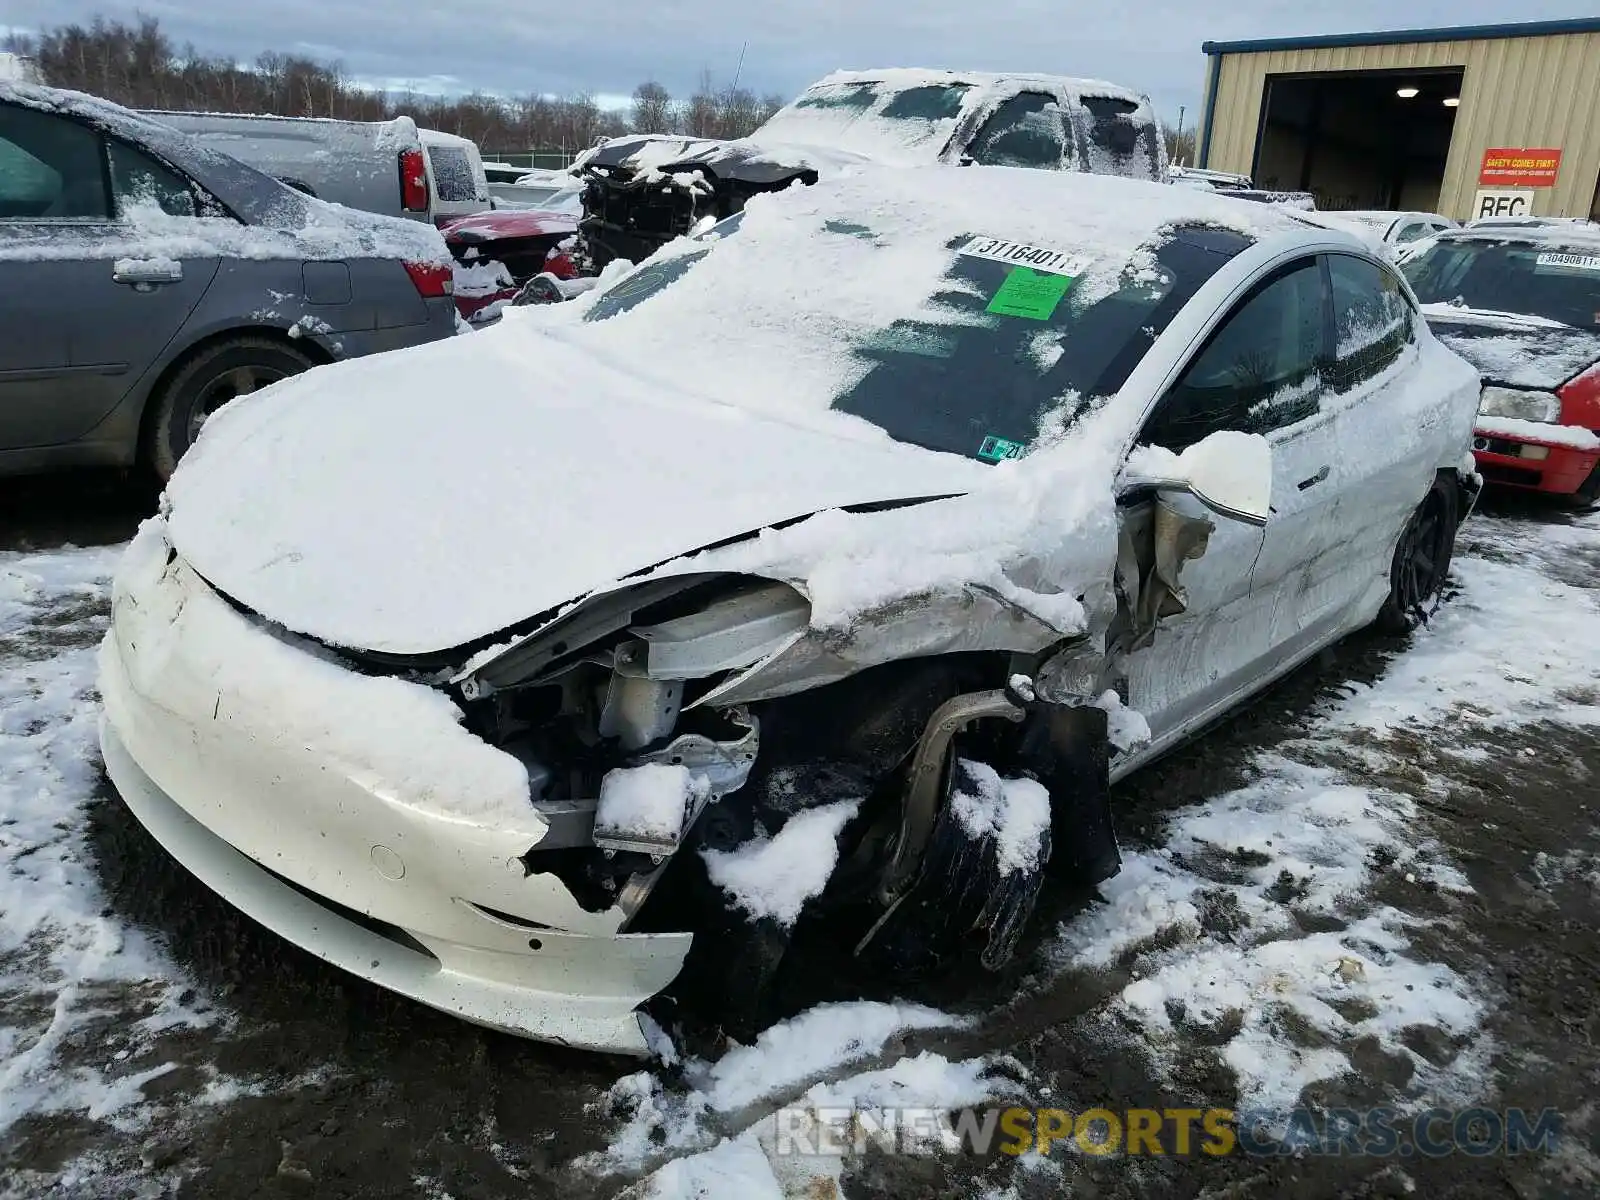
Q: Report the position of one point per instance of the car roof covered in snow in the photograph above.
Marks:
(914, 137)
(279, 222)
(901, 79)
(1577, 235)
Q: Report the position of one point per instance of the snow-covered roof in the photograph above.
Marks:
(904, 78)
(278, 222)
(1576, 234)
(908, 139)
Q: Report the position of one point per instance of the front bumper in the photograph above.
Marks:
(1517, 462)
(321, 849)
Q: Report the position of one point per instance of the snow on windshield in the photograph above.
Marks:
(910, 124)
(791, 312)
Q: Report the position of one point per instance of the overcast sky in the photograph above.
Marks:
(521, 46)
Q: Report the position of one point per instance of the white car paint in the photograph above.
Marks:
(257, 757)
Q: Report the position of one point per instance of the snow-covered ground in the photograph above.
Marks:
(1282, 926)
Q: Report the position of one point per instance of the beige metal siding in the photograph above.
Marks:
(1532, 91)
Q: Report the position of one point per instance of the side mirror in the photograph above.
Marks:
(1228, 472)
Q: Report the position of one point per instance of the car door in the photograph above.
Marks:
(52, 191)
(1301, 554)
(1028, 130)
(103, 293)
(1387, 417)
(1259, 371)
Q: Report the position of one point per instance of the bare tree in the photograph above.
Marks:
(698, 116)
(652, 108)
(1180, 146)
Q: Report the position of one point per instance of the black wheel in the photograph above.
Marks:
(204, 384)
(1421, 561)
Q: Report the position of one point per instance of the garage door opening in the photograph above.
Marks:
(1373, 139)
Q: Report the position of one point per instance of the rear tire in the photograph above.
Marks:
(1421, 561)
(215, 375)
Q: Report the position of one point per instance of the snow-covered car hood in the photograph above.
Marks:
(429, 498)
(1514, 350)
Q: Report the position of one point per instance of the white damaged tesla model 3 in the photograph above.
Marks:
(816, 578)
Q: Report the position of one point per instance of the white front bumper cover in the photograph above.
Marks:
(369, 870)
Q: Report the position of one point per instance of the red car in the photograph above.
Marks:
(498, 252)
(1522, 304)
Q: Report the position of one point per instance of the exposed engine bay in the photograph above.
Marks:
(686, 673)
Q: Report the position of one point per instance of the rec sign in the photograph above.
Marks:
(1520, 167)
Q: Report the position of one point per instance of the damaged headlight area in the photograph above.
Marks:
(603, 706)
(665, 719)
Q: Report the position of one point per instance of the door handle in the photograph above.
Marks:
(137, 271)
(1314, 480)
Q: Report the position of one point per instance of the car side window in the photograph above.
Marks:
(1028, 130)
(139, 181)
(1373, 320)
(51, 168)
(1260, 370)
(1414, 231)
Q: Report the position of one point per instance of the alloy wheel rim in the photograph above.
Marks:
(238, 381)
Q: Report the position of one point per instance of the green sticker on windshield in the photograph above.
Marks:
(997, 449)
(1029, 293)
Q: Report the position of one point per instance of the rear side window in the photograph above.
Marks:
(139, 181)
(1026, 131)
(51, 168)
(1259, 371)
(1373, 320)
(452, 174)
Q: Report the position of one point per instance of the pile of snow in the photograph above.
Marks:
(649, 802)
(486, 278)
(1015, 813)
(774, 877)
(1125, 727)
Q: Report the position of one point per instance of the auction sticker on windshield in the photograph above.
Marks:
(1040, 258)
(1029, 293)
(1571, 262)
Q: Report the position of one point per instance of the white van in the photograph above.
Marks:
(388, 167)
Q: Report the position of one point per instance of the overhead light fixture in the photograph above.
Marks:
(1452, 101)
(1405, 93)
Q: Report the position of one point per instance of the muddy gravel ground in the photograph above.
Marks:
(157, 1043)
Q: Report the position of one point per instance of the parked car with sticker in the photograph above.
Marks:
(1522, 304)
(870, 537)
(146, 280)
(643, 192)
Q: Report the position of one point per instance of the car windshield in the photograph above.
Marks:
(1007, 350)
(870, 117)
(1558, 283)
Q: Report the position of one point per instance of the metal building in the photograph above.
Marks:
(1479, 120)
